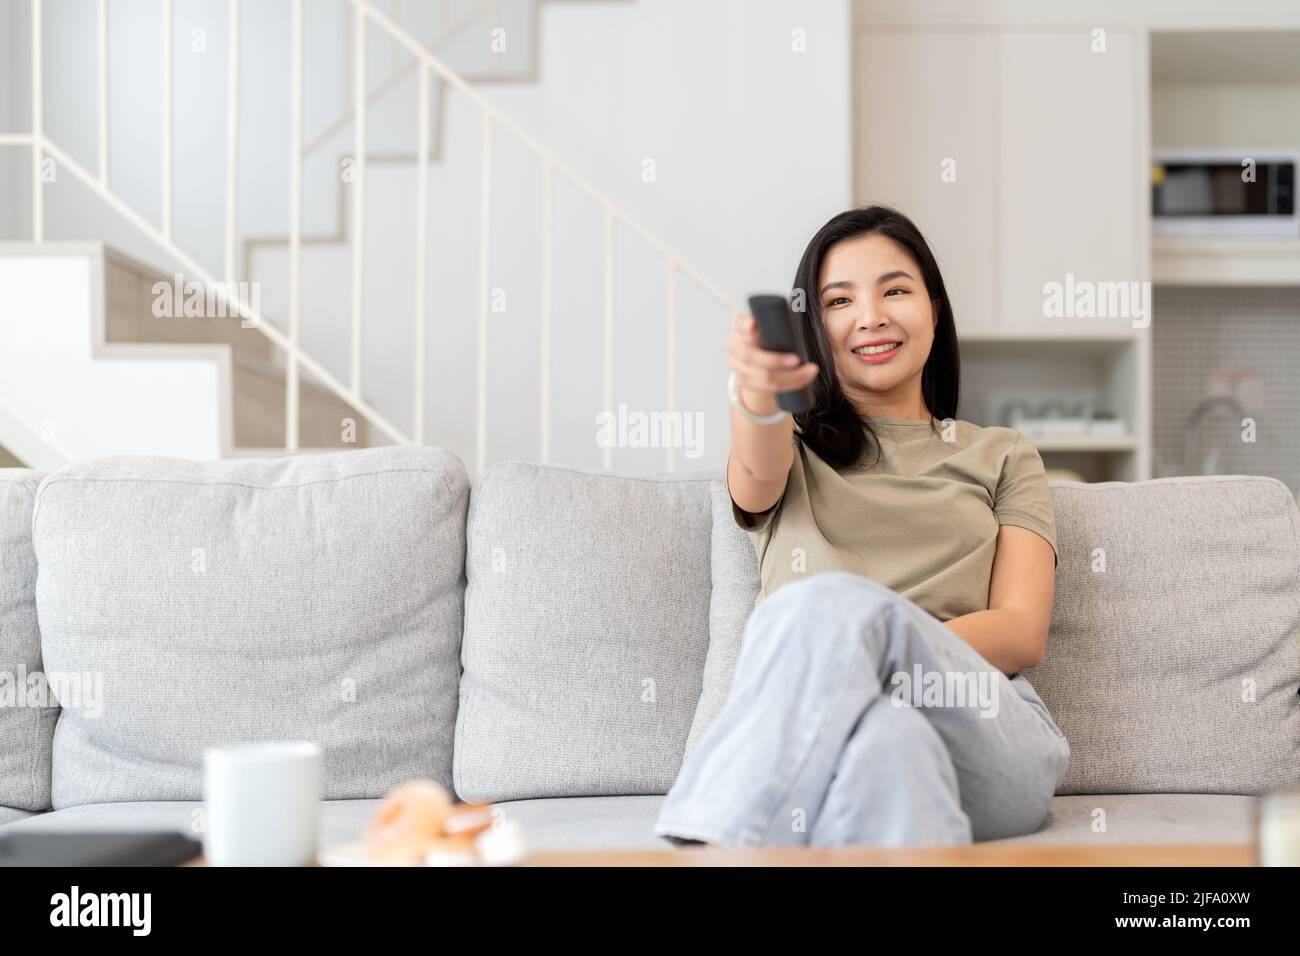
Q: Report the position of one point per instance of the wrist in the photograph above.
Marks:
(760, 403)
(758, 418)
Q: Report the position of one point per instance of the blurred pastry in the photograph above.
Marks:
(409, 819)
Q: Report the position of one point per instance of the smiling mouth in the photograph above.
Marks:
(876, 353)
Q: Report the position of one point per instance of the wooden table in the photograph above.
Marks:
(979, 854)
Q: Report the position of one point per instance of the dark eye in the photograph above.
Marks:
(892, 291)
(837, 299)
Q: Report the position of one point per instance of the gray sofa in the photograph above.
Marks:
(554, 641)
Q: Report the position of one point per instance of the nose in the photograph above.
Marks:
(873, 316)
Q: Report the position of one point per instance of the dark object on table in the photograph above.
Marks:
(121, 848)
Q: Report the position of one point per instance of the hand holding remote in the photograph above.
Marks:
(762, 373)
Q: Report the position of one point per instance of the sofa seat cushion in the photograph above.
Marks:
(595, 823)
(1147, 818)
(315, 597)
(558, 824)
(12, 814)
(1173, 660)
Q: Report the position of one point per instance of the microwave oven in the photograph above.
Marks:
(1198, 192)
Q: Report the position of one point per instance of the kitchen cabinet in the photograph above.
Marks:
(1049, 140)
(1073, 175)
(1019, 153)
(924, 133)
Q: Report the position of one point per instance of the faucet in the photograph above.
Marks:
(1211, 460)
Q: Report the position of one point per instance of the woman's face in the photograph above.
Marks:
(871, 292)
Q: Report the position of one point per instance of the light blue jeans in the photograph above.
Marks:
(857, 717)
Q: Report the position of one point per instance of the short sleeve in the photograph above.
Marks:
(749, 521)
(1023, 497)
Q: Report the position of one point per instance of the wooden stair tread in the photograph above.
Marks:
(258, 381)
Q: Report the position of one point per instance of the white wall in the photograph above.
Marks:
(751, 141)
(98, 401)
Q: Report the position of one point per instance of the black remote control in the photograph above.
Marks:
(777, 332)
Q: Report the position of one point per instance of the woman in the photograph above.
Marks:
(906, 561)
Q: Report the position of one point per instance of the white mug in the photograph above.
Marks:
(1277, 828)
(263, 803)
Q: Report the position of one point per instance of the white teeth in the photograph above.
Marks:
(876, 349)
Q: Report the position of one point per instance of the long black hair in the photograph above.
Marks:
(832, 427)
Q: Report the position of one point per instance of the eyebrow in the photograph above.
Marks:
(844, 284)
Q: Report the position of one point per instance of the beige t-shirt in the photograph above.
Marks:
(923, 520)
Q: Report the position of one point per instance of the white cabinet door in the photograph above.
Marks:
(925, 143)
(1072, 178)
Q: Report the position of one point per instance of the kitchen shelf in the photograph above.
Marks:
(1085, 443)
(1177, 260)
(1077, 338)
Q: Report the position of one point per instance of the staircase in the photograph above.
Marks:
(258, 382)
(294, 380)
(326, 422)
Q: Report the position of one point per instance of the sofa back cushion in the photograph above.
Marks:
(27, 710)
(1173, 661)
(587, 626)
(733, 567)
(315, 597)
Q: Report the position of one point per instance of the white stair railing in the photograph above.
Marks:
(445, 34)
(296, 359)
